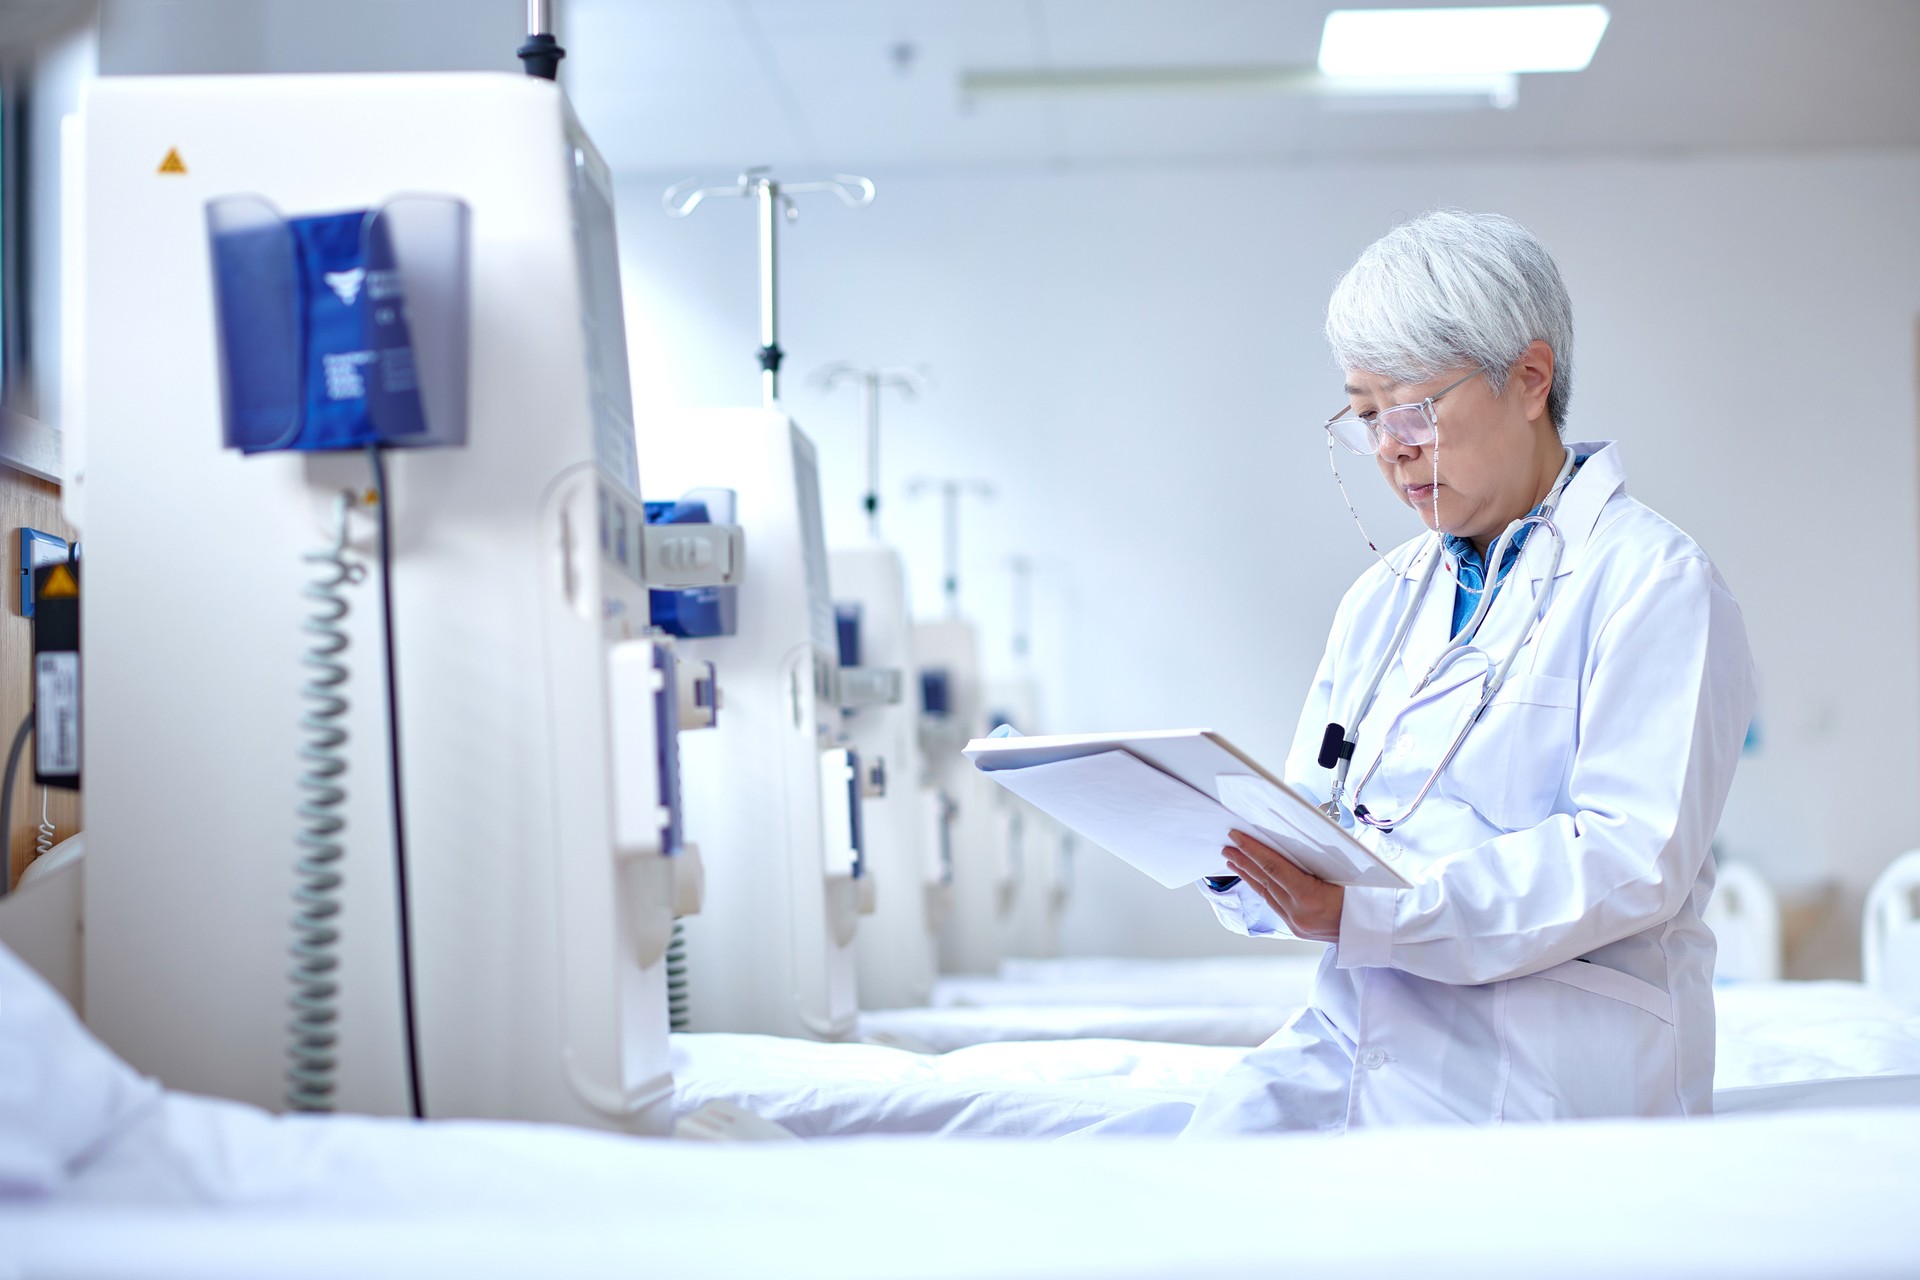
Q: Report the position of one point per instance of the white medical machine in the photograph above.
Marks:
(971, 825)
(384, 840)
(775, 791)
(981, 866)
(1040, 850)
(897, 955)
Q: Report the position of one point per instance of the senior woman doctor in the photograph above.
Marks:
(1550, 959)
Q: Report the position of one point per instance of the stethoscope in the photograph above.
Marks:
(1336, 747)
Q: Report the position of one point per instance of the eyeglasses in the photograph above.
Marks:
(1411, 424)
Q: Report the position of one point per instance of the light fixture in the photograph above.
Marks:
(1383, 44)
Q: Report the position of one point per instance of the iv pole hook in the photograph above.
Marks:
(951, 490)
(775, 199)
(911, 383)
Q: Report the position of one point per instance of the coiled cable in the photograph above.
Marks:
(312, 1034)
(6, 801)
(44, 833)
(679, 1007)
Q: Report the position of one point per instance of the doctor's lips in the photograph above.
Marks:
(1418, 493)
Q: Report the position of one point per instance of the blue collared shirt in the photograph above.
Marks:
(1471, 566)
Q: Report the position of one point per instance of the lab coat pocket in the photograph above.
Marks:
(1511, 767)
(1582, 1040)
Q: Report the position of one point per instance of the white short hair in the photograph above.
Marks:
(1448, 289)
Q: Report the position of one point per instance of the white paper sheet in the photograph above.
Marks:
(1131, 809)
(1267, 812)
(1172, 830)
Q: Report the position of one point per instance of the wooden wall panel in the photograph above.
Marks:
(32, 502)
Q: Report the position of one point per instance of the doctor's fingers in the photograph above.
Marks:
(1264, 882)
(1273, 864)
(1295, 879)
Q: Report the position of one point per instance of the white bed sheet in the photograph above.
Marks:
(1029, 1090)
(1279, 982)
(1221, 1000)
(949, 1029)
(212, 1191)
(1782, 1045)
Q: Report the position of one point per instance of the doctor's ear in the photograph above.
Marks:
(1531, 379)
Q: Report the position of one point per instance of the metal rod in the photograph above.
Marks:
(908, 382)
(540, 54)
(775, 202)
(870, 414)
(950, 495)
(769, 193)
(1022, 606)
(951, 491)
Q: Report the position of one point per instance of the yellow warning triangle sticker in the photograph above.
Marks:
(173, 163)
(60, 585)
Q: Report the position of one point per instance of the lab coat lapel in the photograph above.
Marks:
(1587, 494)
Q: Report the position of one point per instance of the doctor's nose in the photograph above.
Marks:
(1394, 451)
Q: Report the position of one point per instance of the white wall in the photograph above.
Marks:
(1134, 359)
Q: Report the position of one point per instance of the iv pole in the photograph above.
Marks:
(1022, 567)
(951, 490)
(775, 199)
(910, 383)
(541, 54)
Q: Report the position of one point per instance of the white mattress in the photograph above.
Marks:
(1782, 1045)
(1030, 1090)
(949, 1029)
(1224, 1000)
(206, 1191)
(1267, 981)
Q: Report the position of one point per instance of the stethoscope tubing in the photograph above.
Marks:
(1461, 643)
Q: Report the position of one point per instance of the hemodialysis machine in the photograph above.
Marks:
(774, 790)
(898, 950)
(400, 840)
(984, 863)
(1040, 849)
(777, 790)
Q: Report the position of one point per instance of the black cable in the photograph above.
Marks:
(401, 911)
(6, 804)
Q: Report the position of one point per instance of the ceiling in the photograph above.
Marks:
(673, 86)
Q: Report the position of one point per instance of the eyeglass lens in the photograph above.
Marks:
(1409, 424)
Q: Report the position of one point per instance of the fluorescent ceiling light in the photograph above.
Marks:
(1378, 43)
(1425, 93)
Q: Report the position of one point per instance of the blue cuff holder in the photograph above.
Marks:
(342, 330)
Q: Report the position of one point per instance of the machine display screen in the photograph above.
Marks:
(806, 477)
(605, 322)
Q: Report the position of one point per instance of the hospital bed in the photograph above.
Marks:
(209, 1190)
(1241, 1000)
(1219, 1000)
(1011, 1061)
(102, 1174)
(1782, 1045)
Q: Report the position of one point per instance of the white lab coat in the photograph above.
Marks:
(1550, 960)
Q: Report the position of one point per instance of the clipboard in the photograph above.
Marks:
(1164, 801)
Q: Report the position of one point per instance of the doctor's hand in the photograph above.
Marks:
(1309, 905)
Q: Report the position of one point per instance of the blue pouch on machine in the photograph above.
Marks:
(315, 342)
(359, 380)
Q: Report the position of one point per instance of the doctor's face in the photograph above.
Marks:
(1493, 456)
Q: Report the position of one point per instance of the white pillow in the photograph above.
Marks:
(62, 1092)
